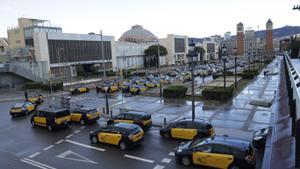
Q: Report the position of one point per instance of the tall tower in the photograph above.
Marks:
(240, 38)
(269, 38)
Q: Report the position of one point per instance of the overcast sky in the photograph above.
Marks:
(195, 18)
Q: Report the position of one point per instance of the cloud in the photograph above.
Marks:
(6, 8)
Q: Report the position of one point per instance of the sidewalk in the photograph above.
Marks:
(280, 148)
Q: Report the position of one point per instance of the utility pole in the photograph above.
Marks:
(103, 58)
(158, 56)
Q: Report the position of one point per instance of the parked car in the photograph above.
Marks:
(20, 109)
(217, 152)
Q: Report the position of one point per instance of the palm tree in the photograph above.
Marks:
(151, 57)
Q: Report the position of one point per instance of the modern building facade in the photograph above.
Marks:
(4, 50)
(177, 47)
(230, 45)
(269, 38)
(240, 39)
(65, 51)
(250, 41)
(211, 50)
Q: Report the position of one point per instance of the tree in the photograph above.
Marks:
(151, 57)
(294, 46)
(201, 51)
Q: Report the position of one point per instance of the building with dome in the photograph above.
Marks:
(131, 46)
(137, 34)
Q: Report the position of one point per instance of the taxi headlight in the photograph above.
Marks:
(130, 136)
(257, 138)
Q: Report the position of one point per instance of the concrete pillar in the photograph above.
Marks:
(297, 152)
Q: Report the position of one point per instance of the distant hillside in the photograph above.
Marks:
(280, 32)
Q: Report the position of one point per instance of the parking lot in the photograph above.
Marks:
(28, 147)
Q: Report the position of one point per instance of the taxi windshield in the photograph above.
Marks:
(92, 111)
(197, 142)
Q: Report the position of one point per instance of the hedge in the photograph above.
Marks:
(227, 73)
(42, 86)
(218, 93)
(175, 91)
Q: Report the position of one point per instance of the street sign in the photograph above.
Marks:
(70, 155)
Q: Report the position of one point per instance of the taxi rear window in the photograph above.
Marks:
(92, 111)
(134, 130)
(62, 114)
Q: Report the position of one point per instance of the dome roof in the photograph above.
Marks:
(137, 34)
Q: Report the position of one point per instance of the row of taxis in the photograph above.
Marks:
(204, 148)
(26, 107)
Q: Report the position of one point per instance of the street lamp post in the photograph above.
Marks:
(160, 84)
(249, 59)
(224, 62)
(192, 58)
(106, 99)
(235, 68)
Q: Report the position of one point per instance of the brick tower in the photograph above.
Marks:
(269, 38)
(240, 38)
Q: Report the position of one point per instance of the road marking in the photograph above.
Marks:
(166, 160)
(139, 158)
(75, 157)
(82, 127)
(70, 135)
(76, 132)
(86, 146)
(37, 164)
(34, 154)
(49, 147)
(171, 154)
(60, 141)
(159, 167)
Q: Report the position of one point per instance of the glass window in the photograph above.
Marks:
(106, 129)
(221, 149)
(181, 125)
(204, 148)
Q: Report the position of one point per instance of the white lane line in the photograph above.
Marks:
(82, 127)
(37, 164)
(138, 158)
(86, 146)
(33, 164)
(171, 154)
(166, 160)
(34, 154)
(49, 147)
(70, 135)
(60, 141)
(76, 132)
(159, 167)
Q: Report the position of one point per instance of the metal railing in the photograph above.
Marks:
(293, 88)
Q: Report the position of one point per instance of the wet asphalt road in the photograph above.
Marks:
(23, 146)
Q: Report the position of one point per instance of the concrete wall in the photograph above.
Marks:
(9, 80)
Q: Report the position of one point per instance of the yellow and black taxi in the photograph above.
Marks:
(137, 89)
(217, 152)
(125, 86)
(111, 87)
(123, 135)
(79, 90)
(19, 109)
(143, 119)
(36, 99)
(84, 115)
(51, 118)
(187, 129)
(148, 83)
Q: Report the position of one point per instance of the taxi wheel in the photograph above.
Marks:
(50, 128)
(186, 161)
(167, 135)
(82, 122)
(122, 145)
(233, 167)
(94, 140)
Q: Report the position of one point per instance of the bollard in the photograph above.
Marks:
(111, 113)
(165, 121)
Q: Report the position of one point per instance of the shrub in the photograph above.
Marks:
(175, 91)
(42, 86)
(218, 93)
